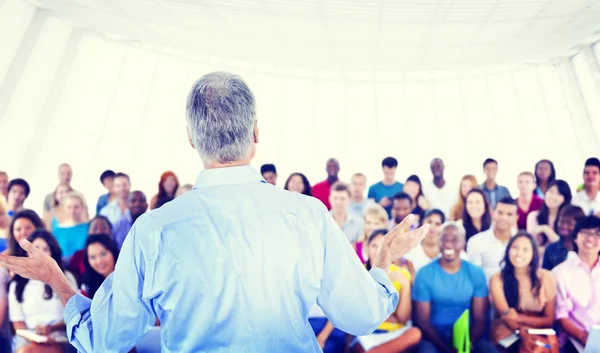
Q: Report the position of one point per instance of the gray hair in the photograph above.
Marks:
(221, 114)
(461, 230)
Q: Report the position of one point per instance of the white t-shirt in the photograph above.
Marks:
(485, 250)
(588, 205)
(442, 199)
(35, 310)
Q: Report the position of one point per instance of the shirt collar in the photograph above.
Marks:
(228, 176)
(574, 257)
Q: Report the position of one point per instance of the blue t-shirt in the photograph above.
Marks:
(379, 191)
(3, 244)
(449, 294)
(71, 239)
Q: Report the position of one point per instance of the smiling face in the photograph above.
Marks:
(22, 228)
(101, 260)
(521, 252)
(553, 198)
(42, 245)
(588, 241)
(411, 188)
(435, 225)
(372, 223)
(296, 184)
(373, 247)
(475, 205)
(452, 242)
(465, 187)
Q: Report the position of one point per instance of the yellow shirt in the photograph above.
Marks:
(392, 326)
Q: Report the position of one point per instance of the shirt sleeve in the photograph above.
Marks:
(354, 300)
(15, 309)
(421, 292)
(473, 252)
(372, 194)
(48, 204)
(564, 305)
(480, 288)
(91, 323)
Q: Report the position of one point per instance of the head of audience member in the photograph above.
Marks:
(505, 215)
(18, 191)
(490, 169)
(586, 237)
(121, 186)
(44, 241)
(3, 184)
(100, 225)
(526, 184)
(373, 245)
(22, 225)
(437, 168)
(467, 183)
(402, 205)
(168, 184)
(413, 187)
(65, 173)
(568, 218)
(591, 174)
(376, 217)
(183, 189)
(452, 242)
(269, 173)
(389, 166)
(545, 172)
(74, 208)
(4, 218)
(556, 197)
(333, 169)
(521, 257)
(298, 182)
(137, 204)
(60, 192)
(358, 185)
(476, 210)
(106, 178)
(101, 254)
(435, 218)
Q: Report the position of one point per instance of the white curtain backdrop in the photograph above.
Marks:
(67, 95)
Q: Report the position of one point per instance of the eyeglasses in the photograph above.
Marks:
(590, 232)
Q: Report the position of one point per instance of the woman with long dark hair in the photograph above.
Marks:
(22, 225)
(167, 187)
(34, 306)
(414, 189)
(99, 262)
(477, 214)
(543, 223)
(298, 182)
(522, 294)
(545, 174)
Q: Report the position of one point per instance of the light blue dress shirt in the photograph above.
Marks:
(233, 266)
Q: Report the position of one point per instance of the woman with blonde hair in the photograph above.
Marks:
(54, 216)
(71, 233)
(467, 183)
(376, 217)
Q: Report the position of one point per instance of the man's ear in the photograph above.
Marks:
(187, 130)
(256, 134)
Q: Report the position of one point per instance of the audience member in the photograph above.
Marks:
(487, 248)
(556, 253)
(4, 226)
(441, 195)
(358, 202)
(375, 218)
(298, 182)
(543, 223)
(167, 187)
(402, 206)
(437, 308)
(65, 174)
(477, 213)
(18, 191)
(589, 198)
(137, 206)
(322, 190)
(352, 225)
(383, 191)
(467, 183)
(55, 216)
(5, 334)
(578, 280)
(527, 201)
(72, 231)
(118, 208)
(492, 190)
(183, 189)
(106, 178)
(269, 173)
(396, 334)
(523, 295)
(101, 255)
(545, 174)
(33, 305)
(4, 184)
(98, 225)
(22, 225)
(429, 249)
(413, 187)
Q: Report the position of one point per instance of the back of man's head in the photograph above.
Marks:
(268, 168)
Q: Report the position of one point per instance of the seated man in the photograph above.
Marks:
(578, 286)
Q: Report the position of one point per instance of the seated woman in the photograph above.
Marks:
(578, 281)
(297, 182)
(396, 334)
(429, 249)
(414, 189)
(167, 187)
(523, 296)
(556, 253)
(22, 225)
(54, 217)
(34, 306)
(443, 290)
(543, 223)
(73, 230)
(98, 225)
(545, 174)
(468, 183)
(99, 262)
(477, 214)
(376, 217)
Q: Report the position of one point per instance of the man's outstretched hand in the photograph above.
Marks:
(399, 241)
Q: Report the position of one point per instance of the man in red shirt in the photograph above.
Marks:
(322, 190)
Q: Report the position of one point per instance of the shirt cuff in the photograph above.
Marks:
(75, 310)
(381, 277)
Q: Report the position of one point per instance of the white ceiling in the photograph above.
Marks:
(364, 34)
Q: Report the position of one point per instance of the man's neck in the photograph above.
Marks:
(215, 165)
(358, 198)
(388, 182)
(332, 179)
(134, 217)
(14, 208)
(526, 197)
(451, 266)
(490, 183)
(591, 191)
(590, 259)
(439, 182)
(502, 235)
(339, 215)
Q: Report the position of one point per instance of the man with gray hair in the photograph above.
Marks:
(233, 265)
